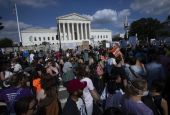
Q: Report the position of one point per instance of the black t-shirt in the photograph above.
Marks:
(70, 108)
(39, 67)
(153, 103)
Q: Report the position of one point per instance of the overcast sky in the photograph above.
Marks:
(103, 13)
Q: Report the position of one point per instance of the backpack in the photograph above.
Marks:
(108, 68)
(114, 111)
(149, 101)
(67, 76)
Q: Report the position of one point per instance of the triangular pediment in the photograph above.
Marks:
(73, 16)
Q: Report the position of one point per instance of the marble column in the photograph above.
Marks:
(73, 31)
(59, 30)
(78, 32)
(85, 30)
(68, 31)
(64, 31)
(81, 28)
(89, 30)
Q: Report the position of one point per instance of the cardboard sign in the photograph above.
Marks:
(85, 44)
(107, 45)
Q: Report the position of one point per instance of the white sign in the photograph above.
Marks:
(107, 45)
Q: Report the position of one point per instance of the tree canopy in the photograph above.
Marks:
(145, 28)
(116, 38)
(168, 18)
(6, 42)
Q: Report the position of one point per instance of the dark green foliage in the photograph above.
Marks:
(116, 38)
(6, 42)
(145, 28)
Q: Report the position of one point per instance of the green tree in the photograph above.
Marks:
(6, 42)
(165, 30)
(145, 28)
(168, 18)
(116, 38)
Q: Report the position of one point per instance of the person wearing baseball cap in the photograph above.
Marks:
(75, 104)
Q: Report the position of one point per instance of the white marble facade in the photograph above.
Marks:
(73, 29)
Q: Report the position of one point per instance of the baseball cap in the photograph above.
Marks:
(75, 85)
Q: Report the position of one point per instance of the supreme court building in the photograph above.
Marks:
(72, 30)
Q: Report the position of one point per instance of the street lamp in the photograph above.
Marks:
(126, 27)
(58, 36)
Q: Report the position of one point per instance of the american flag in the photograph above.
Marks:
(116, 51)
(13, 8)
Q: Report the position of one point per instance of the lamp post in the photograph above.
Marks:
(58, 37)
(126, 27)
(18, 25)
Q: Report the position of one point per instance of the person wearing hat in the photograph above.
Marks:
(75, 104)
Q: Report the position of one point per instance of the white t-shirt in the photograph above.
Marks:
(17, 67)
(31, 57)
(8, 74)
(81, 107)
(111, 61)
(87, 95)
(40, 95)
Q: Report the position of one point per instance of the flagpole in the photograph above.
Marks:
(19, 33)
(126, 26)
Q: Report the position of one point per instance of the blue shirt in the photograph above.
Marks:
(154, 71)
(131, 107)
(114, 100)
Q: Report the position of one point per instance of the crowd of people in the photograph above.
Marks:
(134, 82)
